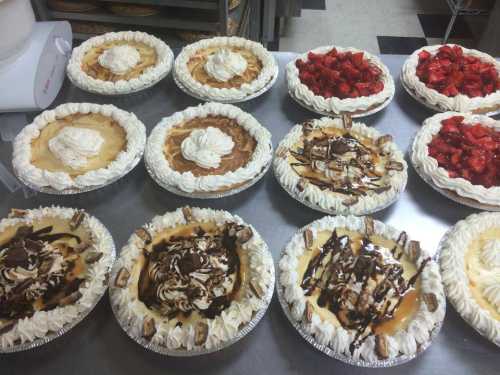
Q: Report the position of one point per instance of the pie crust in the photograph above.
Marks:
(261, 68)
(156, 59)
(429, 168)
(334, 105)
(459, 103)
(471, 277)
(312, 186)
(161, 314)
(67, 277)
(251, 154)
(416, 311)
(124, 141)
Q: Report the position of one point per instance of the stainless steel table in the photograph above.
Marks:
(98, 345)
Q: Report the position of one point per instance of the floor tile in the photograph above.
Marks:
(399, 45)
(434, 26)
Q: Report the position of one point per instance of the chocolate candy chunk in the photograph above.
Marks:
(307, 127)
(383, 139)
(340, 146)
(16, 256)
(17, 213)
(394, 166)
(414, 250)
(308, 238)
(256, 289)
(381, 346)
(33, 245)
(347, 121)
(6, 326)
(188, 213)
(144, 235)
(76, 220)
(200, 333)
(122, 278)
(308, 313)
(350, 201)
(431, 301)
(369, 226)
(148, 328)
(244, 235)
(93, 257)
(70, 299)
(301, 185)
(23, 231)
(45, 266)
(81, 247)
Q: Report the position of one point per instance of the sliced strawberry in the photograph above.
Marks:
(424, 55)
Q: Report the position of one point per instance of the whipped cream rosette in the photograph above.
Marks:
(54, 264)
(191, 282)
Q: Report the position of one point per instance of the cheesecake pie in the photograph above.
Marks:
(453, 78)
(340, 167)
(362, 290)
(459, 154)
(53, 269)
(191, 280)
(119, 63)
(336, 80)
(210, 149)
(78, 146)
(470, 268)
(225, 68)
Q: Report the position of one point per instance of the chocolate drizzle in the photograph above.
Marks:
(363, 289)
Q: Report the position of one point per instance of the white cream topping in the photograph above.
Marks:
(429, 167)
(461, 102)
(225, 64)
(331, 201)
(206, 147)
(334, 104)
(492, 294)
(73, 146)
(149, 77)
(490, 254)
(404, 341)
(268, 72)
(119, 59)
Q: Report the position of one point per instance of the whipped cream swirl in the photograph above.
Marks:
(73, 146)
(492, 294)
(490, 254)
(225, 64)
(206, 147)
(119, 59)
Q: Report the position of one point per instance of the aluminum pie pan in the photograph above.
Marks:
(450, 194)
(52, 335)
(433, 107)
(332, 353)
(256, 94)
(245, 330)
(73, 191)
(316, 207)
(368, 112)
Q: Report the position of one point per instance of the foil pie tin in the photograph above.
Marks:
(160, 349)
(51, 335)
(327, 349)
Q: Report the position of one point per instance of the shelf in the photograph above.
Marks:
(195, 4)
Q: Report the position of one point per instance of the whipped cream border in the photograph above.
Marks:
(149, 77)
(330, 201)
(131, 311)
(439, 176)
(186, 181)
(136, 140)
(404, 341)
(452, 263)
(43, 323)
(268, 72)
(334, 104)
(459, 103)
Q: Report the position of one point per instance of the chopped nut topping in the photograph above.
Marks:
(308, 238)
(148, 328)
(76, 220)
(122, 278)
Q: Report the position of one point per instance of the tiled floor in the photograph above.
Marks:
(378, 26)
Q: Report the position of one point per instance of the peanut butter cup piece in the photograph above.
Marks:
(394, 166)
(70, 299)
(144, 235)
(200, 333)
(350, 201)
(122, 278)
(17, 213)
(93, 257)
(308, 238)
(381, 346)
(188, 213)
(76, 220)
(431, 301)
(256, 289)
(383, 139)
(308, 313)
(369, 226)
(347, 121)
(148, 328)
(6, 326)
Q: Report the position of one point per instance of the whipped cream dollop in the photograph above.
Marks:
(119, 59)
(225, 64)
(492, 294)
(73, 146)
(490, 254)
(206, 147)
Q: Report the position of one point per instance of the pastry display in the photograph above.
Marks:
(77, 147)
(453, 78)
(340, 167)
(119, 63)
(459, 154)
(225, 68)
(208, 151)
(191, 36)
(191, 280)
(133, 10)
(335, 80)
(470, 268)
(54, 264)
(72, 5)
(361, 291)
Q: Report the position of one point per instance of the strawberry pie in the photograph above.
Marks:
(461, 153)
(337, 80)
(451, 77)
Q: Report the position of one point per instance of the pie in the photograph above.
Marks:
(212, 148)
(225, 68)
(340, 167)
(339, 80)
(119, 63)
(459, 153)
(470, 268)
(454, 78)
(362, 289)
(53, 268)
(191, 280)
(78, 146)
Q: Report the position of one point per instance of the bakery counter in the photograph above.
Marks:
(98, 345)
